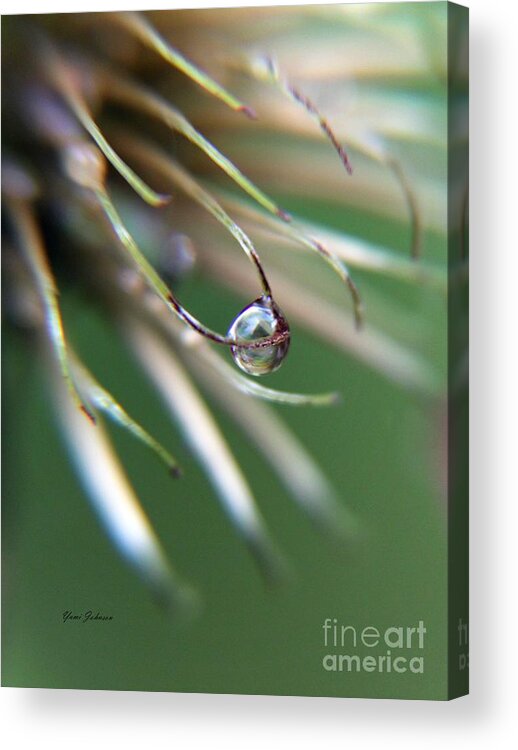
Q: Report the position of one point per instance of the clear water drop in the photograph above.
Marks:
(261, 319)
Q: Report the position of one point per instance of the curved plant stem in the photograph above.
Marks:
(140, 27)
(31, 245)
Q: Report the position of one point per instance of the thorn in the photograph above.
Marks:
(88, 414)
(321, 248)
(164, 199)
(284, 215)
(248, 111)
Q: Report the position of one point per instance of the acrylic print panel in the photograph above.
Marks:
(235, 380)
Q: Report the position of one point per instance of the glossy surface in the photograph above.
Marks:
(261, 319)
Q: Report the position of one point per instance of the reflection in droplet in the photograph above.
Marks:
(262, 319)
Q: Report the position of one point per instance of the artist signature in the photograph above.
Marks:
(89, 616)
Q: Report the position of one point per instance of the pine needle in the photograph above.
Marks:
(140, 27)
(32, 247)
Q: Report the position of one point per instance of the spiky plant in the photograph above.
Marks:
(122, 156)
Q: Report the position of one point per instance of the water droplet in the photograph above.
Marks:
(261, 319)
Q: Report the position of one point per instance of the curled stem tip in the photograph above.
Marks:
(144, 100)
(104, 401)
(140, 27)
(69, 88)
(413, 208)
(172, 170)
(271, 73)
(154, 280)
